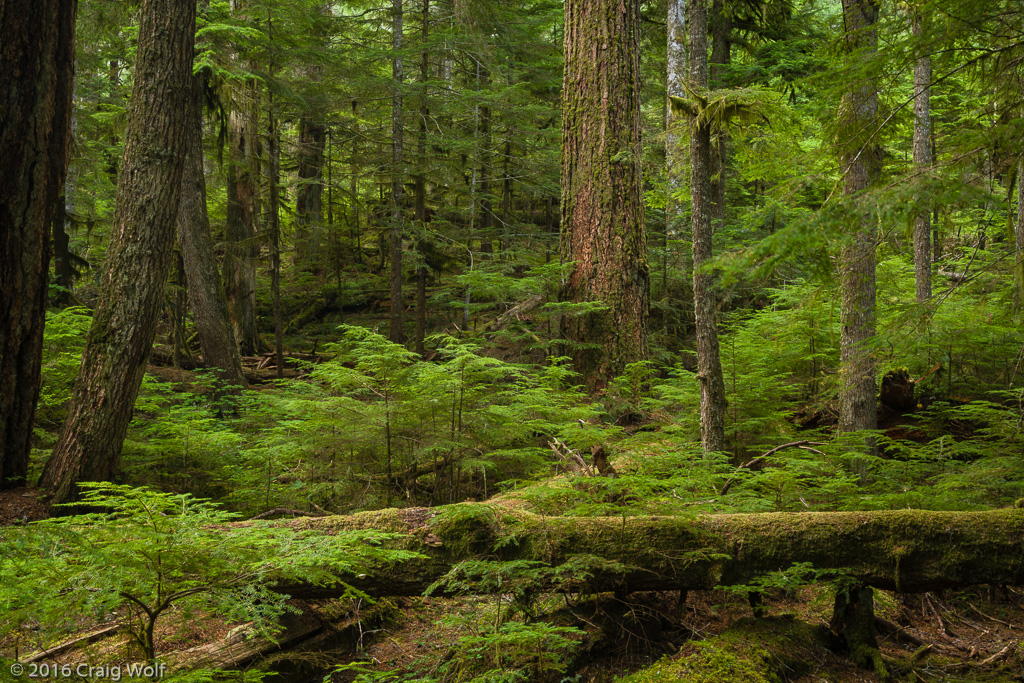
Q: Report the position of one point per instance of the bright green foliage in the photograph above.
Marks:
(62, 355)
(147, 552)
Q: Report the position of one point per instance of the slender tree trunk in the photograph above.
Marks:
(709, 361)
(62, 272)
(721, 55)
(922, 165)
(603, 225)
(240, 229)
(205, 292)
(274, 210)
(861, 164)
(397, 178)
(139, 256)
(486, 197)
(674, 152)
(37, 50)
(420, 186)
(1018, 269)
(309, 212)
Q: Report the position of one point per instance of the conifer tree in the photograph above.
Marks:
(37, 48)
(860, 159)
(138, 260)
(603, 231)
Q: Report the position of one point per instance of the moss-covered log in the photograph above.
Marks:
(902, 550)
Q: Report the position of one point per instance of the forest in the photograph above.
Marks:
(495, 341)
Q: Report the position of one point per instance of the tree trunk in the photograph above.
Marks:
(37, 49)
(309, 212)
(240, 225)
(139, 256)
(675, 154)
(709, 361)
(922, 165)
(603, 225)
(205, 292)
(721, 55)
(397, 178)
(861, 164)
(420, 188)
(1018, 270)
(903, 550)
(274, 209)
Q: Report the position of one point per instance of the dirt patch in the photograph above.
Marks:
(22, 505)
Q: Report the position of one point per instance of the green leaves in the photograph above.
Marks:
(141, 552)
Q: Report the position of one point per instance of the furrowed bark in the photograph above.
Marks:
(139, 256)
(603, 230)
(860, 157)
(904, 550)
(37, 47)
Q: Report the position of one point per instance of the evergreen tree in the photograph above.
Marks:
(138, 260)
(603, 225)
(37, 39)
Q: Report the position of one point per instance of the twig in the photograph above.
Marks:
(982, 614)
(999, 656)
(286, 511)
(805, 445)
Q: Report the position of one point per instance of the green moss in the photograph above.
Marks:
(769, 650)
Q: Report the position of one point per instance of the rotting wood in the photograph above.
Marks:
(72, 643)
(903, 550)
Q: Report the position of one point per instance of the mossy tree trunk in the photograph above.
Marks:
(139, 257)
(603, 230)
(37, 49)
(860, 159)
(904, 550)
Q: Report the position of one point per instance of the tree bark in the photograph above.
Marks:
(903, 550)
(139, 256)
(420, 187)
(860, 158)
(922, 165)
(709, 361)
(241, 222)
(721, 56)
(396, 334)
(37, 49)
(205, 291)
(309, 211)
(603, 225)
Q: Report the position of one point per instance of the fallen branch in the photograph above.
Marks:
(759, 460)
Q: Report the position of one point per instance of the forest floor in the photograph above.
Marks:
(963, 636)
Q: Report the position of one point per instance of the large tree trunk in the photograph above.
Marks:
(709, 361)
(922, 165)
(397, 178)
(139, 256)
(603, 227)
(205, 292)
(903, 550)
(861, 163)
(37, 49)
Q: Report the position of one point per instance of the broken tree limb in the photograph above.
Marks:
(902, 550)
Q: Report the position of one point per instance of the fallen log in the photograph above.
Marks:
(902, 550)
